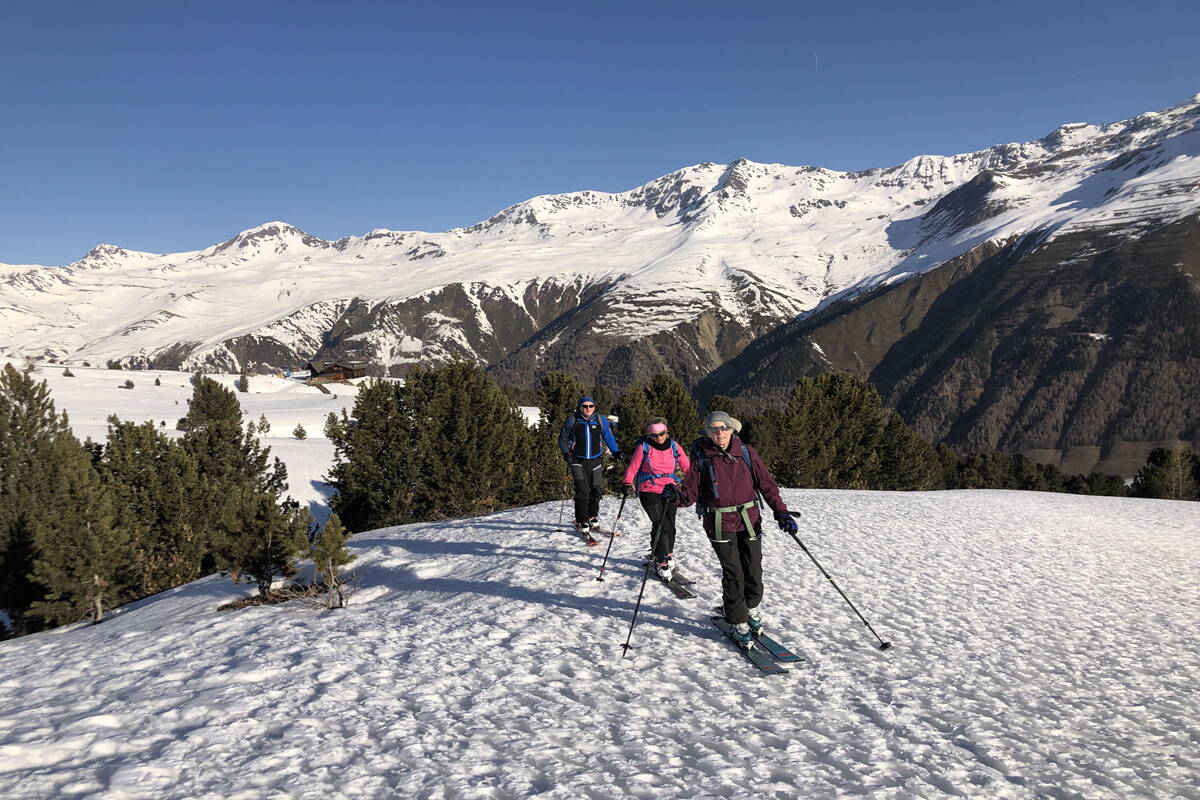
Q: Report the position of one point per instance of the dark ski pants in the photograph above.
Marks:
(588, 474)
(741, 574)
(658, 509)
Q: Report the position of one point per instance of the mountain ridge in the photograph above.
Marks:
(739, 247)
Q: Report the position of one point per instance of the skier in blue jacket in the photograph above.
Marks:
(582, 440)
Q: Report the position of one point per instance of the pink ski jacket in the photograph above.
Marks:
(661, 462)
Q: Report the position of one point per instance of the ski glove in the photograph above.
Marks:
(670, 494)
(787, 522)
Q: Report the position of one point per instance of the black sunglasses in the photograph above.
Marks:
(588, 405)
(656, 435)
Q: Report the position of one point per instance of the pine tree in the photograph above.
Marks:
(260, 538)
(723, 402)
(243, 383)
(372, 465)
(465, 444)
(67, 373)
(832, 430)
(558, 395)
(906, 461)
(83, 560)
(631, 410)
(230, 463)
(299, 432)
(153, 479)
(33, 449)
(329, 554)
(1169, 474)
(604, 397)
(667, 397)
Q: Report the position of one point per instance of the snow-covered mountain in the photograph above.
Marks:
(679, 274)
(1043, 647)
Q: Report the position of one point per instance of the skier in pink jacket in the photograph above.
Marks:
(655, 463)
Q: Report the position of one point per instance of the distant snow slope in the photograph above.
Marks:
(754, 243)
(95, 393)
(1044, 646)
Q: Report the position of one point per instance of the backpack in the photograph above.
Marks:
(701, 461)
(642, 477)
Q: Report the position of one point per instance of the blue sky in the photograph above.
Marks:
(172, 126)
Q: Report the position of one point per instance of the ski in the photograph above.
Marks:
(780, 652)
(678, 589)
(773, 647)
(588, 539)
(757, 657)
(609, 534)
(683, 580)
(678, 577)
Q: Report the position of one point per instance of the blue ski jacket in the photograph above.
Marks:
(581, 437)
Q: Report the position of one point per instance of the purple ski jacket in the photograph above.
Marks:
(735, 485)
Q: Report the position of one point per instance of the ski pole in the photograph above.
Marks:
(655, 533)
(882, 644)
(607, 550)
(563, 504)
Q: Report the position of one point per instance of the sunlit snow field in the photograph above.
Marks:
(1044, 646)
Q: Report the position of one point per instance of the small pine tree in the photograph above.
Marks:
(329, 554)
(157, 381)
(67, 373)
(264, 425)
(86, 364)
(299, 432)
(260, 538)
(243, 383)
(114, 364)
(128, 384)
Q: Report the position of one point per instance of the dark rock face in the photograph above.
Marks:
(1083, 350)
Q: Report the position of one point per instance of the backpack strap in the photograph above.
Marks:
(644, 473)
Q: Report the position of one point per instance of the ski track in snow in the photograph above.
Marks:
(1043, 648)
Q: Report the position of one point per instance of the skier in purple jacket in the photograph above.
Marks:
(726, 478)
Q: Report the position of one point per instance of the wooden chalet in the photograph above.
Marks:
(329, 371)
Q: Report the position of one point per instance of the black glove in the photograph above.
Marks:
(670, 494)
(787, 523)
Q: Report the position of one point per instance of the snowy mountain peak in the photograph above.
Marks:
(270, 237)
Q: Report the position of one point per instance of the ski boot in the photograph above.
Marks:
(741, 632)
(665, 570)
(755, 623)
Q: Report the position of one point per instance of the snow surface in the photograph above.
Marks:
(1043, 647)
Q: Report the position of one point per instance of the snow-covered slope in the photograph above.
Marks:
(1043, 647)
(93, 394)
(750, 244)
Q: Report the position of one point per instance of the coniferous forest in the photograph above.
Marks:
(85, 527)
